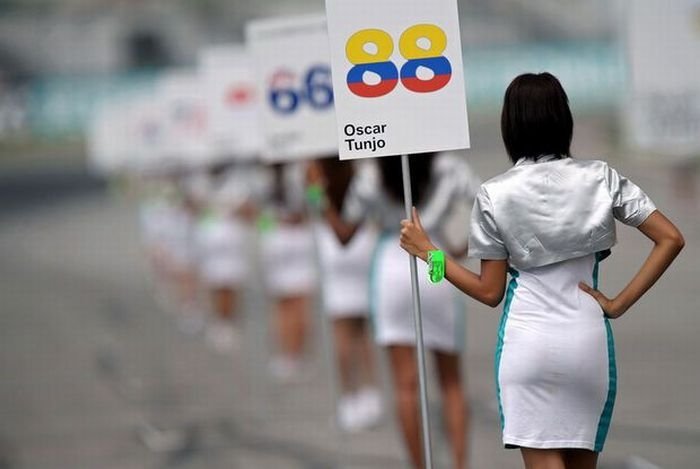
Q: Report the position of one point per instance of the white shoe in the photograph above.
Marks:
(347, 416)
(222, 336)
(369, 407)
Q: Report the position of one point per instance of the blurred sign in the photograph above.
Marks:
(186, 118)
(127, 135)
(147, 132)
(232, 101)
(64, 106)
(108, 142)
(592, 72)
(397, 76)
(292, 62)
(663, 108)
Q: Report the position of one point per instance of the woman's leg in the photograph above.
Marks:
(580, 459)
(344, 334)
(454, 405)
(364, 352)
(224, 301)
(543, 458)
(292, 325)
(186, 282)
(221, 331)
(405, 375)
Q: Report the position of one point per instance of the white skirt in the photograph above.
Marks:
(392, 307)
(345, 271)
(222, 251)
(178, 237)
(287, 260)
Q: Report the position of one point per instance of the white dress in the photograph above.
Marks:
(221, 238)
(391, 309)
(287, 260)
(178, 232)
(287, 249)
(555, 359)
(222, 250)
(553, 221)
(345, 271)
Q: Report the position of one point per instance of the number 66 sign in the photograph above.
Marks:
(294, 84)
(397, 76)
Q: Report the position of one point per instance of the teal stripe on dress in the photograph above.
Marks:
(512, 285)
(606, 415)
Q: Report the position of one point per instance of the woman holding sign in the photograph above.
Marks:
(549, 221)
(287, 262)
(437, 183)
(345, 254)
(222, 236)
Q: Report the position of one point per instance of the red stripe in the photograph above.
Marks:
(373, 91)
(426, 86)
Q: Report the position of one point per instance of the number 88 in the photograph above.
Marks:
(379, 63)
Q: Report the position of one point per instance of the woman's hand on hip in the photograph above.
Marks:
(608, 306)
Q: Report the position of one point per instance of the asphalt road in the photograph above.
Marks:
(93, 374)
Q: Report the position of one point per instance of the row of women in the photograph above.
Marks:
(198, 225)
(547, 222)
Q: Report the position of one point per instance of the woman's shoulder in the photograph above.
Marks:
(524, 170)
(588, 163)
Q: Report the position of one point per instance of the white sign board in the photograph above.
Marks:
(186, 118)
(398, 77)
(293, 73)
(147, 132)
(232, 101)
(108, 142)
(663, 104)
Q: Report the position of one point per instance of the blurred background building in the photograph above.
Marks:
(59, 59)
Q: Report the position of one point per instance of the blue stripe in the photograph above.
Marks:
(606, 415)
(386, 70)
(439, 66)
(512, 285)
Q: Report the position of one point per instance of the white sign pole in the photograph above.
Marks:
(418, 323)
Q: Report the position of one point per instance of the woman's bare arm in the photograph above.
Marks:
(668, 242)
(343, 230)
(487, 287)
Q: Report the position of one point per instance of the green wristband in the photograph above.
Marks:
(266, 222)
(314, 194)
(436, 266)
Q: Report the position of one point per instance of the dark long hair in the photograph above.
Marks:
(338, 174)
(536, 119)
(421, 169)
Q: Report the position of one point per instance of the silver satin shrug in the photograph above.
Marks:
(546, 211)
